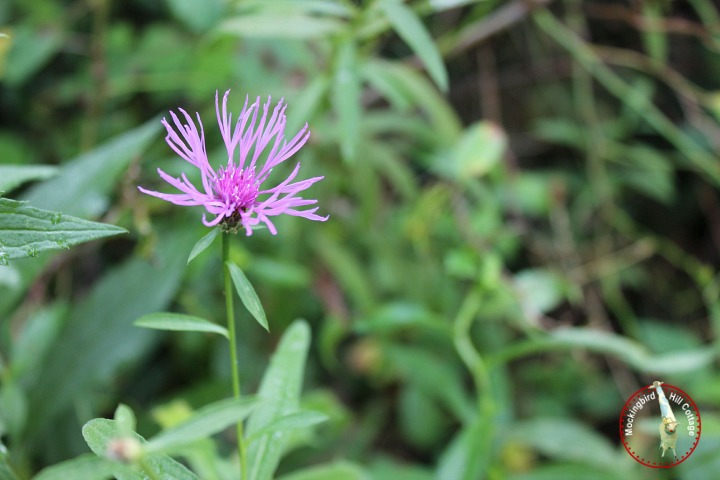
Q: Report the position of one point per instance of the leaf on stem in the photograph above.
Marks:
(207, 421)
(247, 294)
(179, 323)
(292, 421)
(203, 243)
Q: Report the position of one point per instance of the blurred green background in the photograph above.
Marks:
(524, 224)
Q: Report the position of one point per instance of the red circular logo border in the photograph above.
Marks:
(698, 430)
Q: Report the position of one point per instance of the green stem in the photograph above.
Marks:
(233, 347)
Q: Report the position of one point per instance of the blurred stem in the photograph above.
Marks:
(230, 309)
(469, 355)
(98, 72)
(698, 157)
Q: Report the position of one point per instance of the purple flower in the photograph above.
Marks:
(234, 194)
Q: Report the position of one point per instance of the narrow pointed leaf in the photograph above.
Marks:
(26, 231)
(279, 395)
(292, 421)
(407, 24)
(247, 294)
(207, 421)
(179, 323)
(346, 94)
(203, 243)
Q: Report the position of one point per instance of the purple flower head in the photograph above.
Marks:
(234, 194)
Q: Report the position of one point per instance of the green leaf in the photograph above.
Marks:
(98, 337)
(100, 432)
(207, 421)
(279, 395)
(30, 50)
(125, 418)
(203, 243)
(81, 189)
(197, 19)
(631, 352)
(26, 231)
(86, 467)
(12, 176)
(335, 471)
(411, 29)
(179, 323)
(293, 25)
(247, 294)
(291, 421)
(346, 97)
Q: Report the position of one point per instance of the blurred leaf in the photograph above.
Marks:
(571, 471)
(466, 456)
(81, 189)
(278, 396)
(33, 341)
(634, 354)
(100, 432)
(86, 467)
(179, 323)
(412, 85)
(346, 97)
(295, 26)
(291, 421)
(12, 176)
(99, 337)
(308, 102)
(538, 290)
(203, 243)
(125, 418)
(399, 470)
(247, 294)
(567, 439)
(26, 231)
(414, 404)
(411, 29)
(31, 48)
(334, 471)
(346, 268)
(83, 185)
(480, 148)
(207, 421)
(13, 410)
(197, 19)
(6, 472)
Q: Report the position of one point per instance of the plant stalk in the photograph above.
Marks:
(229, 307)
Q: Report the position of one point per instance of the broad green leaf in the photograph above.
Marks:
(100, 432)
(334, 471)
(38, 334)
(346, 97)
(203, 243)
(279, 395)
(86, 467)
(27, 231)
(247, 294)
(481, 147)
(13, 409)
(12, 176)
(205, 422)
(411, 29)
(291, 421)
(179, 323)
(295, 26)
